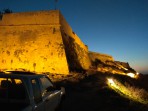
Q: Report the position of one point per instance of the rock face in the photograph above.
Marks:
(40, 41)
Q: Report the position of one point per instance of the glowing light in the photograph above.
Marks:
(120, 66)
(137, 75)
(125, 69)
(112, 83)
(126, 91)
(132, 75)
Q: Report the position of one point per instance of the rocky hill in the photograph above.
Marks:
(106, 86)
(106, 64)
(97, 91)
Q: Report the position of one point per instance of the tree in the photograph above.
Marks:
(0, 15)
(7, 11)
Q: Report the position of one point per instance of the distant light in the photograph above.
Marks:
(132, 75)
(137, 73)
(62, 93)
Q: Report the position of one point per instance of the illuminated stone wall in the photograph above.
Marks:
(32, 41)
(102, 57)
(76, 50)
(40, 41)
(124, 64)
(31, 18)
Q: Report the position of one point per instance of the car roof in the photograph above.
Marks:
(20, 74)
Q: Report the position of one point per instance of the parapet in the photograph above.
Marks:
(103, 57)
(31, 18)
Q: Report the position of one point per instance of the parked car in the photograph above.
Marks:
(26, 91)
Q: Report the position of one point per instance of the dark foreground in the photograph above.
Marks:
(92, 94)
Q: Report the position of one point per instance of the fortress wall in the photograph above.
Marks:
(28, 18)
(124, 64)
(76, 50)
(103, 57)
(42, 42)
(68, 30)
(36, 48)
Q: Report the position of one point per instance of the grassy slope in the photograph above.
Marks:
(91, 93)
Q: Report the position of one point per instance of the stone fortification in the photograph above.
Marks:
(40, 41)
(32, 41)
(124, 64)
(99, 56)
(31, 18)
(76, 50)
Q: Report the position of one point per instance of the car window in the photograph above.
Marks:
(46, 84)
(36, 90)
(12, 88)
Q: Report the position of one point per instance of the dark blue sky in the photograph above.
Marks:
(115, 27)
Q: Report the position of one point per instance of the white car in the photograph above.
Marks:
(26, 91)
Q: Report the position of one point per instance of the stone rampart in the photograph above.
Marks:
(28, 42)
(102, 57)
(31, 18)
(76, 50)
(124, 64)
(40, 41)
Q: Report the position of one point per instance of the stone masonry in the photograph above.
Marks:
(41, 41)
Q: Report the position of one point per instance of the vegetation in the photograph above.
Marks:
(138, 94)
(4, 11)
(132, 92)
(91, 92)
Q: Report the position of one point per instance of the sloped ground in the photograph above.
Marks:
(91, 93)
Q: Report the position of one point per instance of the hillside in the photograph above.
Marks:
(91, 92)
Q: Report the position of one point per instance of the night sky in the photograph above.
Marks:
(115, 27)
